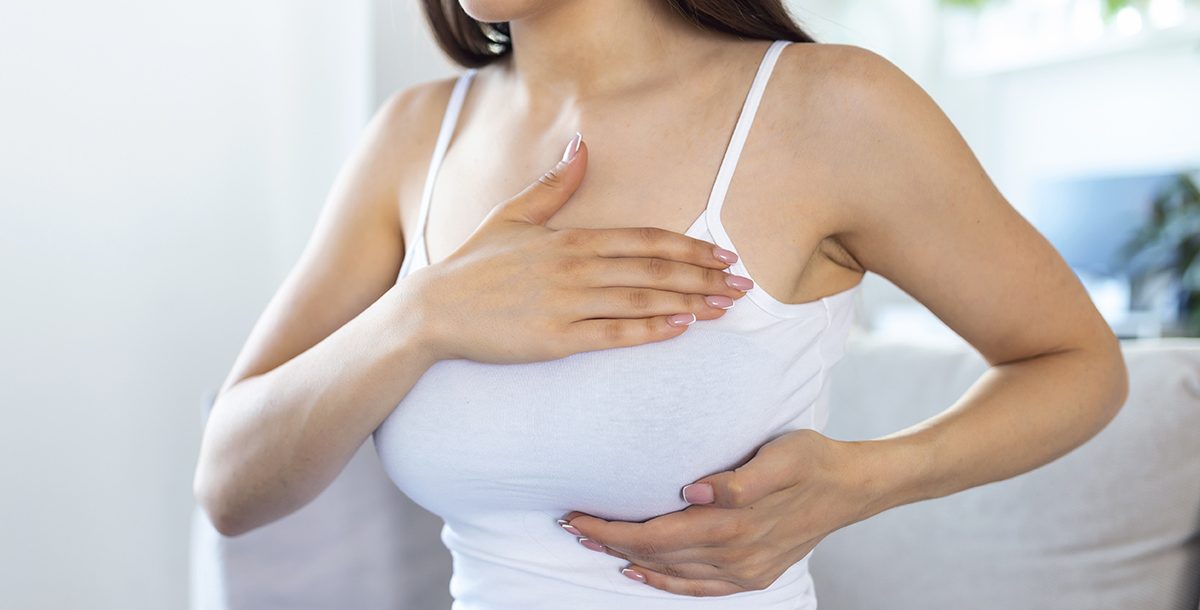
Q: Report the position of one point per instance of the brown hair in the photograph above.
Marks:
(472, 43)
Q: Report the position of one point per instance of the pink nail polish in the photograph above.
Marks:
(719, 301)
(592, 544)
(634, 574)
(698, 493)
(739, 282)
(681, 319)
(725, 256)
(570, 528)
(572, 148)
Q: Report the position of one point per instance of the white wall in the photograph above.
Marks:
(161, 163)
(1125, 112)
(404, 51)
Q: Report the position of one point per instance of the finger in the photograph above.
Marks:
(766, 473)
(731, 489)
(642, 303)
(659, 273)
(602, 333)
(674, 563)
(694, 570)
(544, 197)
(683, 586)
(672, 532)
(650, 242)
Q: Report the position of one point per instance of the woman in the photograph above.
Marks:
(546, 378)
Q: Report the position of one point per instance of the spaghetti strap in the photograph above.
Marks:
(449, 121)
(716, 198)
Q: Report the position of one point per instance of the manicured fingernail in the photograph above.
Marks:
(723, 255)
(698, 493)
(681, 319)
(572, 148)
(592, 544)
(739, 282)
(570, 528)
(634, 574)
(719, 301)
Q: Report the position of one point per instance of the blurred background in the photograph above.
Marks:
(162, 163)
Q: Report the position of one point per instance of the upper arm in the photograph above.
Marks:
(356, 248)
(919, 209)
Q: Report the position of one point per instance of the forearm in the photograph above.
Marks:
(1016, 417)
(274, 441)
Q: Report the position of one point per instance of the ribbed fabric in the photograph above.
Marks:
(500, 452)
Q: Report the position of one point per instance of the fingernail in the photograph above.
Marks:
(634, 574)
(698, 493)
(592, 544)
(572, 148)
(570, 528)
(723, 255)
(719, 301)
(681, 319)
(739, 282)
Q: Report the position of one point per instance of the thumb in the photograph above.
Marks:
(543, 198)
(737, 488)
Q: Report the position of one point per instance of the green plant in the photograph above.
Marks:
(1170, 242)
(1112, 7)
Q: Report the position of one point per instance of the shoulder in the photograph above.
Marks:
(875, 146)
(410, 117)
(869, 123)
(851, 88)
(417, 102)
(401, 135)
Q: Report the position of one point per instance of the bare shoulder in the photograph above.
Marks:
(408, 119)
(850, 88)
(871, 142)
(417, 103)
(404, 129)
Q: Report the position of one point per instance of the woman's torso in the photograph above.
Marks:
(500, 452)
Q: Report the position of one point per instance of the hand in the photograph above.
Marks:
(756, 522)
(516, 291)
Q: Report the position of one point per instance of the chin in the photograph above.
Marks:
(493, 11)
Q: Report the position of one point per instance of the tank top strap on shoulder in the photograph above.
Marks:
(716, 198)
(449, 122)
(417, 253)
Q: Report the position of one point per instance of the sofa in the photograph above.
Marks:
(1114, 524)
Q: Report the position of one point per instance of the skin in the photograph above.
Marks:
(318, 374)
(850, 168)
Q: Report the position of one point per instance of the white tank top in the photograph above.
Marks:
(502, 451)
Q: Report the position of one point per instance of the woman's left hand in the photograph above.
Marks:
(758, 520)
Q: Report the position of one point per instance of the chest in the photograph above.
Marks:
(612, 432)
(647, 166)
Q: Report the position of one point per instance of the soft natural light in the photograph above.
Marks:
(1129, 21)
(1167, 13)
(165, 164)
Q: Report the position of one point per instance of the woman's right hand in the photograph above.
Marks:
(516, 291)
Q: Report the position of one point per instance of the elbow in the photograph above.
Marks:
(220, 511)
(1115, 376)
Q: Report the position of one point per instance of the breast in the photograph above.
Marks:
(615, 433)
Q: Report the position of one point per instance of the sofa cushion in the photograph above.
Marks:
(1113, 524)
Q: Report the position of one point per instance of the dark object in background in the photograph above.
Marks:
(1169, 241)
(1135, 228)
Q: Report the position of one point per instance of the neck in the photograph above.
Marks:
(594, 48)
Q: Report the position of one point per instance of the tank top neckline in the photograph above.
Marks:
(710, 216)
